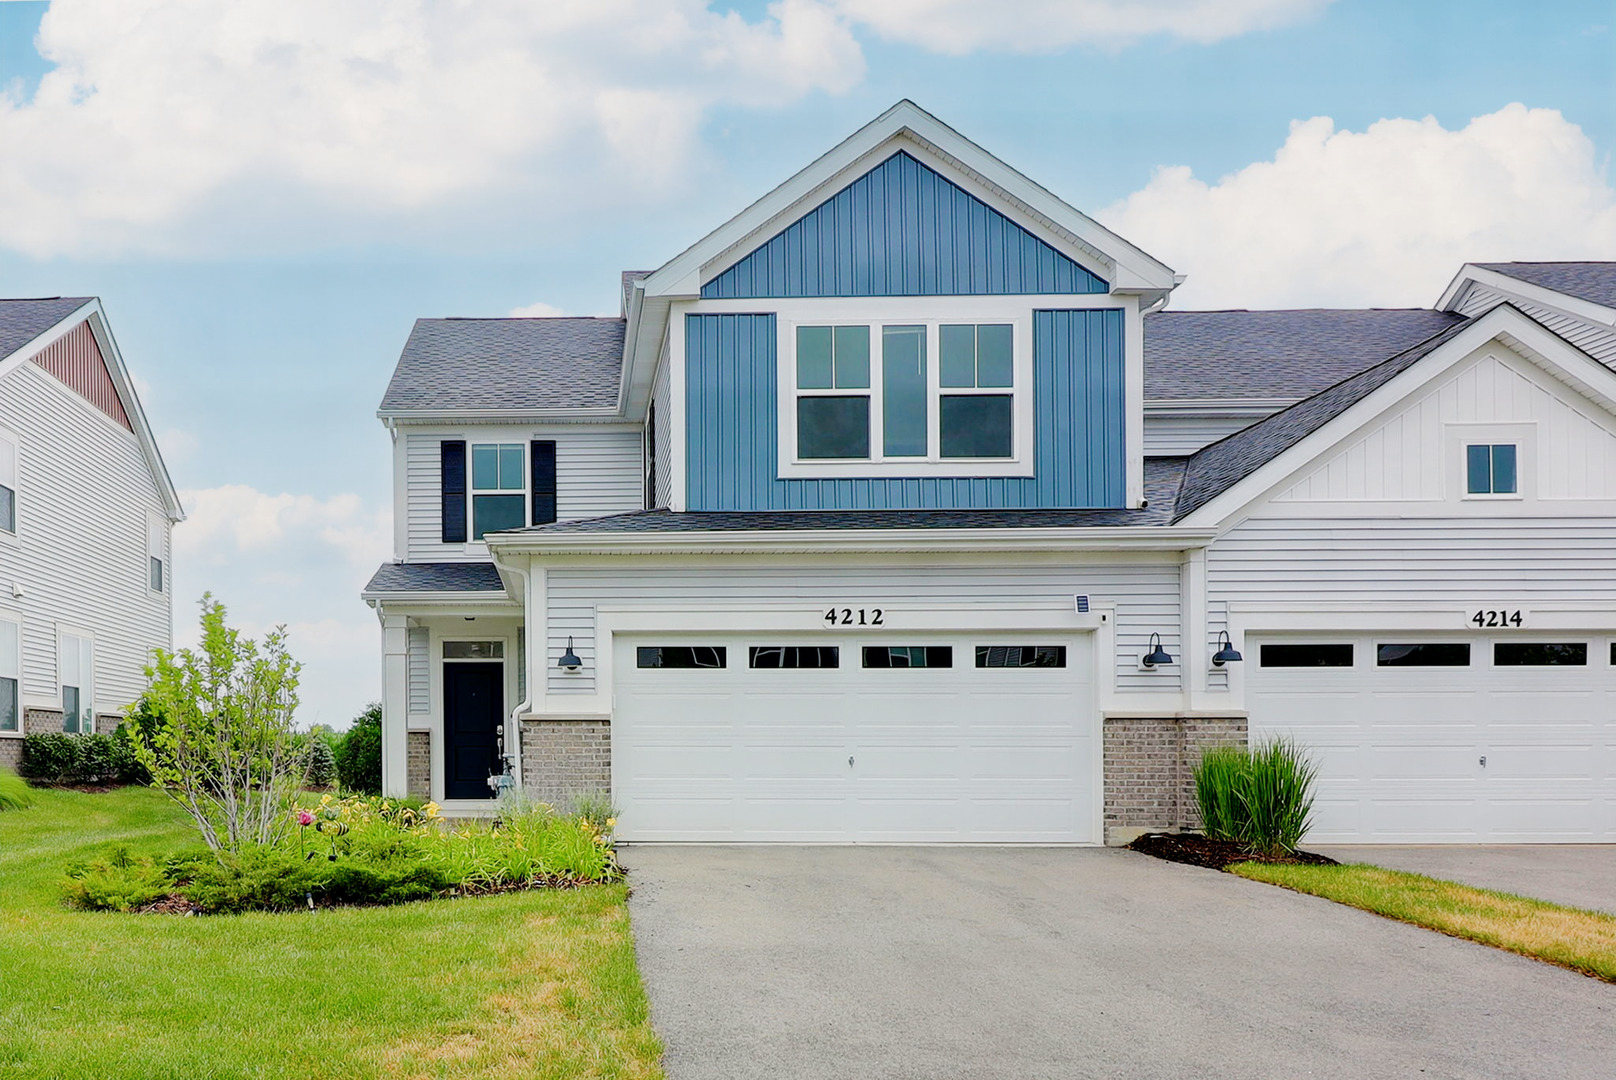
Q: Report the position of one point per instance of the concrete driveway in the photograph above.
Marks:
(1581, 875)
(807, 962)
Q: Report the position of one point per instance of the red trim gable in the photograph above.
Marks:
(76, 360)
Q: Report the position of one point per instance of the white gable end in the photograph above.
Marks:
(1567, 442)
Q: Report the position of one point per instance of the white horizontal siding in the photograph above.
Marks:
(1410, 457)
(1595, 340)
(1146, 597)
(84, 497)
(598, 472)
(1180, 436)
(1374, 561)
(418, 665)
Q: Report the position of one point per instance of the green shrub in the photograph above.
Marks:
(1261, 797)
(256, 878)
(322, 763)
(52, 757)
(14, 793)
(359, 757)
(115, 880)
(59, 758)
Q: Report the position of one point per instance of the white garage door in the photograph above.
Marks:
(912, 739)
(1447, 738)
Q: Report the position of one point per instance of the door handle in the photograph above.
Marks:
(850, 760)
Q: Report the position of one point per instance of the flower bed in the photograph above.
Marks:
(357, 850)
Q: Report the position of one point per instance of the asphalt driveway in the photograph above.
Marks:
(807, 962)
(1580, 875)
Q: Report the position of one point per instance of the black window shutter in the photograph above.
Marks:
(453, 457)
(544, 481)
(650, 458)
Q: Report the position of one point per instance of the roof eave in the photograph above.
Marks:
(592, 414)
(1526, 290)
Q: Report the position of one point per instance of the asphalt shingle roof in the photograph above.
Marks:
(21, 321)
(1273, 354)
(1218, 467)
(436, 577)
(1591, 281)
(454, 364)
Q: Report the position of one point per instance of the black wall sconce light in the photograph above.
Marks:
(569, 659)
(1157, 656)
(1226, 654)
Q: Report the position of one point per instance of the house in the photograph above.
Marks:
(901, 508)
(86, 509)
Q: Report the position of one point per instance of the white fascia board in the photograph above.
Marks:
(1131, 269)
(604, 414)
(1574, 306)
(807, 541)
(642, 346)
(1507, 325)
(92, 314)
(1235, 407)
(396, 602)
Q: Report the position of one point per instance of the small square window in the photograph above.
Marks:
(1490, 469)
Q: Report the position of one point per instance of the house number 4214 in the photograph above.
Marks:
(854, 617)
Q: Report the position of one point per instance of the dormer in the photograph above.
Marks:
(907, 323)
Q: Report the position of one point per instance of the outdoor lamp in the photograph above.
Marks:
(569, 659)
(1157, 655)
(1226, 654)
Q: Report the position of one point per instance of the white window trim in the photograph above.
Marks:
(63, 632)
(1461, 435)
(472, 491)
(9, 536)
(15, 619)
(932, 313)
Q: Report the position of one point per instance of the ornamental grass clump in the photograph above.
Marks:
(1260, 796)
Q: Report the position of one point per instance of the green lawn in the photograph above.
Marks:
(535, 984)
(1584, 941)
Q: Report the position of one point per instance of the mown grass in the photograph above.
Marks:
(1583, 941)
(529, 984)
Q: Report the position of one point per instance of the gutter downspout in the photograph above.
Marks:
(513, 723)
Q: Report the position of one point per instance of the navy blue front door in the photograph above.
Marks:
(473, 707)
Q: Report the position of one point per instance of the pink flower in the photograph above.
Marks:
(305, 818)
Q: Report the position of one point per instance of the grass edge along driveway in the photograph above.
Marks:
(530, 984)
(1584, 941)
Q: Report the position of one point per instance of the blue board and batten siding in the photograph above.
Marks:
(902, 229)
(732, 423)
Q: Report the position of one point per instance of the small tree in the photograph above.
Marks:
(220, 741)
(359, 756)
(322, 763)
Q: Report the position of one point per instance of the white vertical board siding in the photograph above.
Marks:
(1146, 597)
(599, 471)
(1374, 561)
(84, 497)
(1180, 436)
(418, 666)
(1597, 341)
(1407, 457)
(662, 398)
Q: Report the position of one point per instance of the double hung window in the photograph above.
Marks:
(833, 391)
(77, 663)
(497, 499)
(156, 533)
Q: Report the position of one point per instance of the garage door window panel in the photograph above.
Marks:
(1021, 656)
(681, 656)
(908, 656)
(794, 656)
(1306, 655)
(1540, 654)
(1423, 654)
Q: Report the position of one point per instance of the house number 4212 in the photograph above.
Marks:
(854, 617)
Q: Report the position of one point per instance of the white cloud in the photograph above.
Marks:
(536, 310)
(1380, 217)
(1045, 26)
(323, 116)
(294, 560)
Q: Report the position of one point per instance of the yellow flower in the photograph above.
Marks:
(611, 823)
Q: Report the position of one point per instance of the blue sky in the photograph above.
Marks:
(265, 205)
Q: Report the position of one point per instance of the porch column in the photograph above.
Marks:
(395, 705)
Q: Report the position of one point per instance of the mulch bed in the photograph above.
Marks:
(1197, 850)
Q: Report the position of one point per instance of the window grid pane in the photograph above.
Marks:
(957, 355)
(156, 574)
(485, 466)
(976, 425)
(903, 384)
(493, 513)
(814, 367)
(852, 352)
(994, 357)
(833, 427)
(1504, 469)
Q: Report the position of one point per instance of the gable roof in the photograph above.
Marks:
(1234, 355)
(1594, 282)
(21, 321)
(1218, 467)
(452, 366)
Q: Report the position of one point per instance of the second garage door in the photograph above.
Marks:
(924, 739)
(1454, 738)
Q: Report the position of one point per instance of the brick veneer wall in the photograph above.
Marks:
(107, 723)
(10, 753)
(563, 759)
(1149, 769)
(42, 720)
(418, 763)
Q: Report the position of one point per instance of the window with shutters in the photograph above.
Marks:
(490, 487)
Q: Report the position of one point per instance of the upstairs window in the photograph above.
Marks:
(1490, 469)
(8, 485)
(833, 392)
(497, 499)
(975, 414)
(77, 664)
(155, 535)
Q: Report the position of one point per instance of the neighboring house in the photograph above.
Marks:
(872, 518)
(86, 508)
